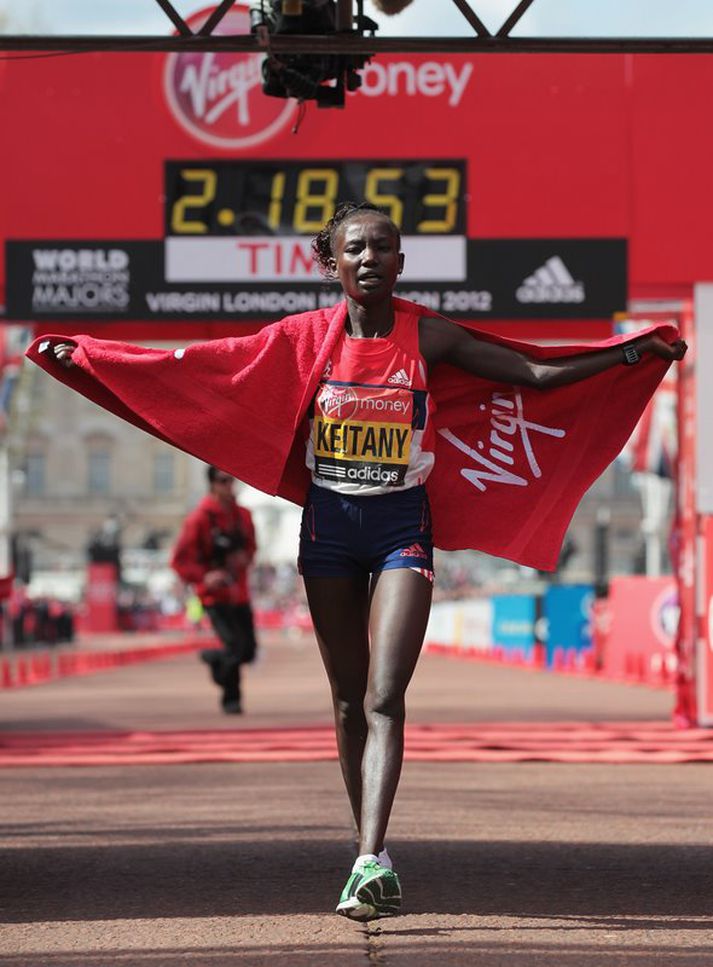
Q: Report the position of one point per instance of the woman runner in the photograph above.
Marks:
(366, 551)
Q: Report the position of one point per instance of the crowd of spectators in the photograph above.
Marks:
(38, 621)
(277, 594)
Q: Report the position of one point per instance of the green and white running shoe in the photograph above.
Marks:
(371, 891)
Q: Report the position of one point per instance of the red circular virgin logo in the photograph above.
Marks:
(338, 402)
(217, 97)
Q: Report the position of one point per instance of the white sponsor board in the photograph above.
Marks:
(462, 624)
(249, 258)
(477, 624)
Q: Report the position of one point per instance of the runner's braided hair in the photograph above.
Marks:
(323, 241)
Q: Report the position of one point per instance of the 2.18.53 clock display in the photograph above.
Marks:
(298, 197)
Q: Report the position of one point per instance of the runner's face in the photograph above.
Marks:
(367, 260)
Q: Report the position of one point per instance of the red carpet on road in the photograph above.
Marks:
(609, 742)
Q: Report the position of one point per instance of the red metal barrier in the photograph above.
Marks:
(7, 679)
(35, 669)
(32, 669)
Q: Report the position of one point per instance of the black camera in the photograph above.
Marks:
(226, 543)
(323, 78)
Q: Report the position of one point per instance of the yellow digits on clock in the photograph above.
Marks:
(446, 199)
(207, 180)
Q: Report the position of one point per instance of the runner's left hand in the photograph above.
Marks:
(670, 351)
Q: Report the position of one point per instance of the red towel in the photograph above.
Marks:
(511, 463)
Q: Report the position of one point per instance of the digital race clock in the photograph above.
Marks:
(297, 197)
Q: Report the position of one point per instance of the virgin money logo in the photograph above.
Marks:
(338, 402)
(217, 97)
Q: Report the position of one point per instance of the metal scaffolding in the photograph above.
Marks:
(347, 41)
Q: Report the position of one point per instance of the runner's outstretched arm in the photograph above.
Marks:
(445, 342)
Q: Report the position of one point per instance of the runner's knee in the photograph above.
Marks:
(350, 713)
(385, 703)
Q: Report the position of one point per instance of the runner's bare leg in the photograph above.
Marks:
(400, 605)
(340, 612)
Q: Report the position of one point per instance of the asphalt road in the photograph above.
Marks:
(215, 865)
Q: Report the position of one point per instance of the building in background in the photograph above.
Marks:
(77, 470)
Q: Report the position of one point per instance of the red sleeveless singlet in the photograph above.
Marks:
(371, 430)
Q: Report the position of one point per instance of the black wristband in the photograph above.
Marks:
(631, 355)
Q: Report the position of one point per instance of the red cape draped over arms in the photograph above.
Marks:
(236, 402)
(511, 463)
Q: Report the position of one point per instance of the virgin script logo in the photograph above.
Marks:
(212, 90)
(510, 440)
(217, 96)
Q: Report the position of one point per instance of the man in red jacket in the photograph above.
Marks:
(213, 552)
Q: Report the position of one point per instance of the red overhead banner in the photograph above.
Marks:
(168, 186)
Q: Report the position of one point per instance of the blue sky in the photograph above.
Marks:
(636, 18)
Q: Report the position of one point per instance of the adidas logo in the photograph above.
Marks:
(400, 379)
(327, 470)
(414, 551)
(552, 282)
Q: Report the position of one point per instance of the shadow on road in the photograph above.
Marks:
(559, 879)
(615, 887)
(468, 954)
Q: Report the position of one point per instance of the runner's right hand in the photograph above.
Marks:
(63, 353)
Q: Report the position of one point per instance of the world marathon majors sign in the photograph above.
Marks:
(125, 280)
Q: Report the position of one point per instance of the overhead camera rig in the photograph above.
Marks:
(324, 78)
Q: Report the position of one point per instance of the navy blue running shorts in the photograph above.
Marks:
(343, 534)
